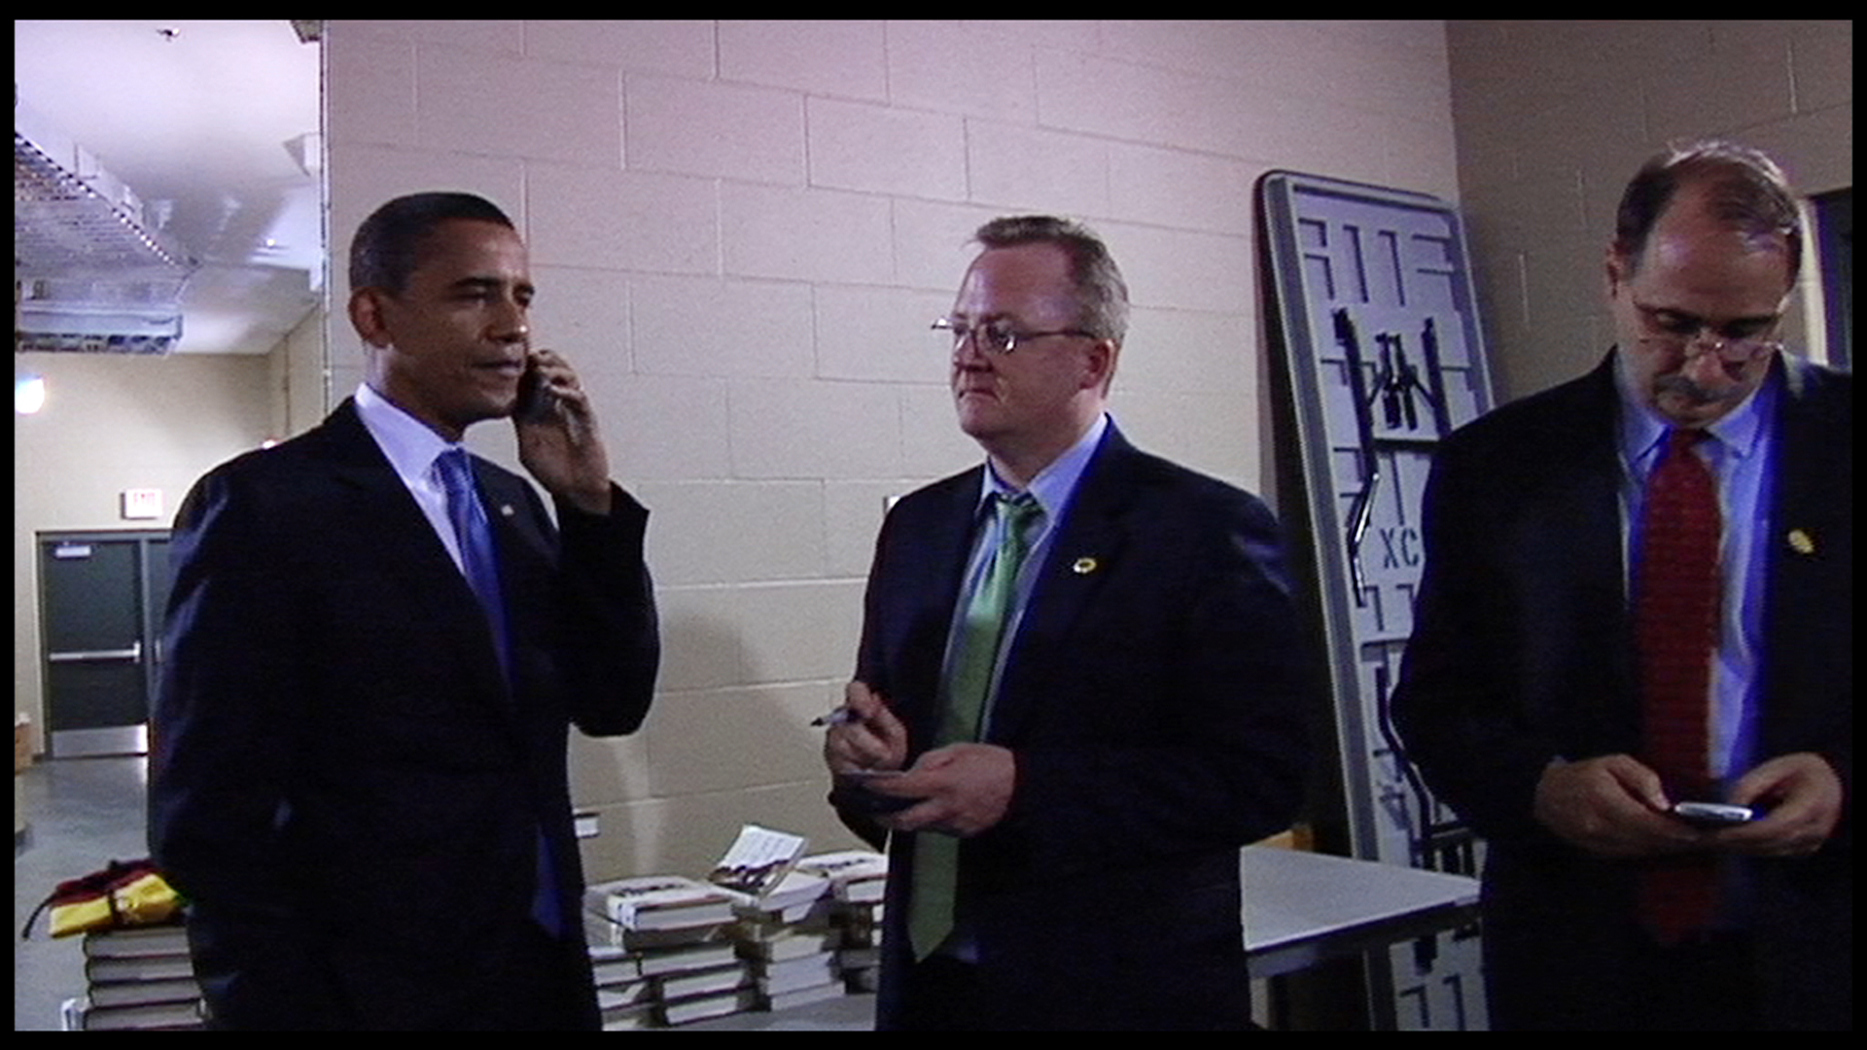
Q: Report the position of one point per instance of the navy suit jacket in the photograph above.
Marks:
(1152, 698)
(343, 782)
(1523, 651)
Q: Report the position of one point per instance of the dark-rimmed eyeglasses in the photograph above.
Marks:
(997, 337)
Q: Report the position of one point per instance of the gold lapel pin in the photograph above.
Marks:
(1085, 566)
(1800, 542)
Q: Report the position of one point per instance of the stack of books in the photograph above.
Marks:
(657, 945)
(625, 998)
(788, 939)
(136, 978)
(858, 882)
(768, 928)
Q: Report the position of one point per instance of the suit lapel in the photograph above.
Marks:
(418, 559)
(1093, 538)
(1809, 524)
(1576, 552)
(527, 560)
(933, 591)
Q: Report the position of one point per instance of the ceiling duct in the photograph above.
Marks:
(94, 274)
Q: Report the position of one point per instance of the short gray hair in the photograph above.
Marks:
(1101, 294)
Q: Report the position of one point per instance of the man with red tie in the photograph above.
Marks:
(1636, 612)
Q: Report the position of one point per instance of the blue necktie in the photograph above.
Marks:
(478, 558)
(480, 561)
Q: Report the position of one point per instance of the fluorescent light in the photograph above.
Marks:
(28, 394)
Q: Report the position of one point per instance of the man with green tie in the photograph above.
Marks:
(1078, 690)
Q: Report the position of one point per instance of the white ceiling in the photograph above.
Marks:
(200, 114)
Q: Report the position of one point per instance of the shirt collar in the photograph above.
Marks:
(408, 442)
(1738, 433)
(1053, 486)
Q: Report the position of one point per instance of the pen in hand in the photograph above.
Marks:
(840, 717)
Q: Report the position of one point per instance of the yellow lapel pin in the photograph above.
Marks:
(1800, 542)
(1085, 566)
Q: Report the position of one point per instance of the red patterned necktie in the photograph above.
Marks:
(1676, 624)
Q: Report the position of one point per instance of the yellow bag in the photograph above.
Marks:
(129, 893)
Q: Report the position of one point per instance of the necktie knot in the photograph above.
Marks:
(455, 470)
(1016, 514)
(1680, 440)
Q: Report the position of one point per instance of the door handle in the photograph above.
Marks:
(134, 654)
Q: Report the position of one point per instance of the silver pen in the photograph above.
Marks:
(842, 716)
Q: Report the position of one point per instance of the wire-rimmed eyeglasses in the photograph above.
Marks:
(997, 337)
(1729, 351)
(1675, 335)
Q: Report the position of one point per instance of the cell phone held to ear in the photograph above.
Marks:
(534, 403)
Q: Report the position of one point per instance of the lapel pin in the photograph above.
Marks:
(505, 510)
(1800, 542)
(1085, 566)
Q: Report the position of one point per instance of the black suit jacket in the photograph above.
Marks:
(1152, 700)
(344, 785)
(1523, 651)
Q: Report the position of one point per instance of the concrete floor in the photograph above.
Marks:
(83, 813)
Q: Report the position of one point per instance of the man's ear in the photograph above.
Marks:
(366, 316)
(1103, 356)
(1617, 270)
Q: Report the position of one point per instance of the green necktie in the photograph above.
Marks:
(936, 854)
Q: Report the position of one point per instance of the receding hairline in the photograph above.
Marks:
(1736, 186)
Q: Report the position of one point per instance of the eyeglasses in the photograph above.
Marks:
(1729, 351)
(1679, 335)
(997, 337)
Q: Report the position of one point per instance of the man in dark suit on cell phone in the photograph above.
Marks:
(376, 645)
(1078, 687)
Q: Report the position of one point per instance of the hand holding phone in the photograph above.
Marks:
(557, 433)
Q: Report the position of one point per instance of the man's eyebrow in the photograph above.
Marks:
(474, 283)
(1691, 318)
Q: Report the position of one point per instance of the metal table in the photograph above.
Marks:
(1302, 908)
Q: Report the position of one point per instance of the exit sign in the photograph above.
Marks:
(142, 504)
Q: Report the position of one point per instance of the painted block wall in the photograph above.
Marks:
(740, 232)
